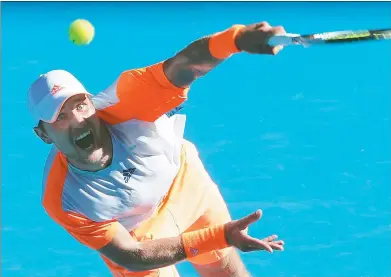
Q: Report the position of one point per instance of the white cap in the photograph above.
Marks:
(49, 92)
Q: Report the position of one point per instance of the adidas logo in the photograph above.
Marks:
(55, 89)
(193, 251)
(127, 173)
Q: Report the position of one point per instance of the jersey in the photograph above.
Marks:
(147, 146)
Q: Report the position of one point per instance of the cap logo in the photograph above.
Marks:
(55, 89)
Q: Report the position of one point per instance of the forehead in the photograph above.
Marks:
(72, 101)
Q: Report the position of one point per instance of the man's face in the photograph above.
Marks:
(76, 132)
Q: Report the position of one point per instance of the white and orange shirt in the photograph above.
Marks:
(147, 146)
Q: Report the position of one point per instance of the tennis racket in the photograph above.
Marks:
(330, 37)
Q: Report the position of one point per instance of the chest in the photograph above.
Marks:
(143, 168)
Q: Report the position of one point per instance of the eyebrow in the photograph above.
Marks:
(75, 100)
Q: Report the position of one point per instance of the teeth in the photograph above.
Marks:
(83, 135)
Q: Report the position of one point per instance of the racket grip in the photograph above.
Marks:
(284, 40)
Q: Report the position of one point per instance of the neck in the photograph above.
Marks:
(103, 156)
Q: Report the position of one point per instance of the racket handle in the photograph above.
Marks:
(284, 40)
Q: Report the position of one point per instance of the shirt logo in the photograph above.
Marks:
(193, 251)
(127, 173)
(174, 111)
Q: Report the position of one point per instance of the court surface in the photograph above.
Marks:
(305, 135)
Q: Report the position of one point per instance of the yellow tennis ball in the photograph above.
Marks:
(81, 32)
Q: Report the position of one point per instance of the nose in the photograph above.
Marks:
(77, 118)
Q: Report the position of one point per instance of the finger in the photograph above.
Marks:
(270, 238)
(265, 246)
(276, 246)
(263, 25)
(256, 244)
(278, 30)
(245, 221)
(280, 242)
(276, 49)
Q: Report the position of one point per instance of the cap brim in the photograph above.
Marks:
(50, 106)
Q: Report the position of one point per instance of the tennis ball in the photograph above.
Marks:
(81, 32)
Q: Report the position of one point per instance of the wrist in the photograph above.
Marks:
(205, 240)
(223, 44)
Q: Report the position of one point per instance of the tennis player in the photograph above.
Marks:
(122, 180)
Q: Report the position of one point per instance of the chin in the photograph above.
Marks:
(96, 156)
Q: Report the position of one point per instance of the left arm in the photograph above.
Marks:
(192, 62)
(204, 54)
(147, 93)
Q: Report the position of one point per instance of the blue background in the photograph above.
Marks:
(304, 135)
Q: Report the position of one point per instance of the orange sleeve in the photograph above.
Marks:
(143, 94)
(95, 235)
(92, 234)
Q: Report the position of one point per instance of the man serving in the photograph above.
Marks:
(122, 180)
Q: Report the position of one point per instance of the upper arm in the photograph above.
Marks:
(88, 232)
(109, 238)
(143, 94)
(94, 235)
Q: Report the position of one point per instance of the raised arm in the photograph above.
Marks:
(204, 54)
(147, 93)
(153, 254)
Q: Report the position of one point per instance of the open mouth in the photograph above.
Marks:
(85, 140)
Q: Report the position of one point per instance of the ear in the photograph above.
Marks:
(42, 135)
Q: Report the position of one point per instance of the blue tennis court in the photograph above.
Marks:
(304, 135)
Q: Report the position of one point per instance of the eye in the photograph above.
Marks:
(81, 107)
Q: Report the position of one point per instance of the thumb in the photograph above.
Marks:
(276, 49)
(245, 221)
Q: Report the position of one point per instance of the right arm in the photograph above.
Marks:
(143, 256)
(113, 241)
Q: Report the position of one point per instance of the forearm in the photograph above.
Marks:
(191, 63)
(160, 253)
(155, 254)
(200, 57)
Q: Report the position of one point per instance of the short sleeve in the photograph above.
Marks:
(143, 94)
(95, 235)
(90, 233)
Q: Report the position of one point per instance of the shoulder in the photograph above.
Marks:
(54, 178)
(143, 93)
(90, 233)
(135, 81)
(53, 166)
